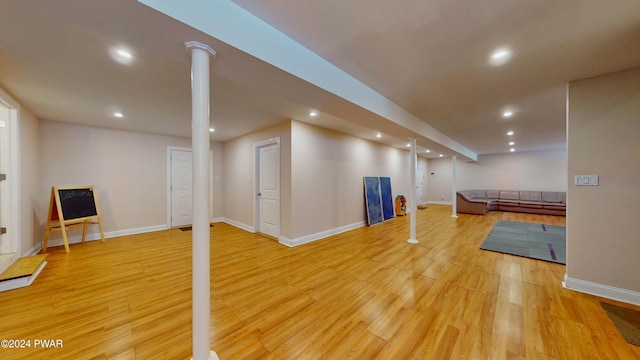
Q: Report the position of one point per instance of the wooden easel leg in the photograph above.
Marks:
(47, 228)
(46, 239)
(84, 231)
(101, 232)
(64, 237)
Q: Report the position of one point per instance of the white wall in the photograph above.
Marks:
(217, 178)
(30, 175)
(603, 221)
(321, 178)
(534, 170)
(128, 169)
(327, 171)
(439, 180)
(239, 191)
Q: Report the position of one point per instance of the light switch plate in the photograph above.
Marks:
(585, 180)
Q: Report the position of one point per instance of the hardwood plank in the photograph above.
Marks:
(365, 293)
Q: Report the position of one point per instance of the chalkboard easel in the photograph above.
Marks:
(72, 206)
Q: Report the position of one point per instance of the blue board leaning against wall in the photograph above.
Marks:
(378, 199)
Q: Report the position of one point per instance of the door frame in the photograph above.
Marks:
(169, 201)
(11, 187)
(256, 183)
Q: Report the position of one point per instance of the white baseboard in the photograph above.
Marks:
(605, 291)
(217, 220)
(96, 236)
(320, 235)
(239, 225)
(440, 202)
(298, 241)
(140, 230)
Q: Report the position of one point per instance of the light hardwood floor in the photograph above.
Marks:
(363, 294)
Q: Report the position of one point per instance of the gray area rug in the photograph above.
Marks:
(543, 242)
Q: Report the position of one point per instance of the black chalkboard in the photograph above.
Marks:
(71, 206)
(77, 203)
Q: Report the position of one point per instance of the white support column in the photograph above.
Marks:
(454, 210)
(414, 193)
(200, 54)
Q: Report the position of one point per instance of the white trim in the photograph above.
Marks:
(169, 150)
(256, 184)
(454, 209)
(217, 220)
(96, 236)
(14, 217)
(440, 203)
(33, 251)
(605, 291)
(190, 45)
(239, 225)
(319, 235)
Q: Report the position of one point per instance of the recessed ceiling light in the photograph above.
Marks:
(500, 57)
(507, 113)
(428, 150)
(510, 133)
(313, 113)
(121, 56)
(118, 114)
(212, 129)
(499, 54)
(378, 135)
(511, 143)
(408, 145)
(512, 149)
(124, 53)
(441, 155)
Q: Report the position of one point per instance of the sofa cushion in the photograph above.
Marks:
(479, 194)
(554, 205)
(562, 196)
(467, 194)
(553, 197)
(542, 202)
(531, 196)
(531, 204)
(509, 195)
(508, 202)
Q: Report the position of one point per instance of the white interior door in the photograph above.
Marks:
(181, 192)
(269, 190)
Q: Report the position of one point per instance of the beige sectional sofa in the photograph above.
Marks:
(535, 202)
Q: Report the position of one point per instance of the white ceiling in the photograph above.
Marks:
(429, 57)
